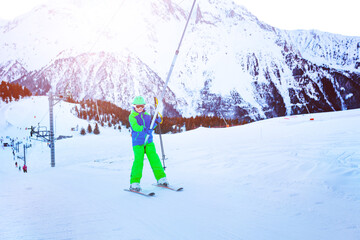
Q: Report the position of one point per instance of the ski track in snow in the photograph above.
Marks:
(282, 178)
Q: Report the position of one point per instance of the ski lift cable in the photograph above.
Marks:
(45, 114)
(169, 73)
(142, 33)
(112, 19)
(107, 25)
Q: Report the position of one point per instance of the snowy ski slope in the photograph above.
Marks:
(282, 178)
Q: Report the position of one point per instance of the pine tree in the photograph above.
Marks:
(82, 131)
(89, 129)
(96, 130)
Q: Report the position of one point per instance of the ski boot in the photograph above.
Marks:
(135, 187)
(163, 182)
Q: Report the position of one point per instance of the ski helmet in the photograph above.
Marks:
(139, 100)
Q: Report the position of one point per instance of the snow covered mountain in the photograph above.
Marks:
(100, 76)
(230, 63)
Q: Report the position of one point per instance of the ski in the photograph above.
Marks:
(141, 192)
(170, 187)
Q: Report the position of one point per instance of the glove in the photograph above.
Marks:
(158, 120)
(148, 131)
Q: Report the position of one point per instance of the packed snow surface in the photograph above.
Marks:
(282, 178)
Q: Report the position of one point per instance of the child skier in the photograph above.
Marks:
(140, 122)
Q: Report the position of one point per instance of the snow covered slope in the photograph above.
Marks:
(283, 178)
(34, 111)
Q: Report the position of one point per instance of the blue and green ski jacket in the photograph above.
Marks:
(139, 122)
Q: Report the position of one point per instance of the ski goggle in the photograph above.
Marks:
(140, 106)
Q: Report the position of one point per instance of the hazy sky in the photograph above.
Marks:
(10, 9)
(335, 16)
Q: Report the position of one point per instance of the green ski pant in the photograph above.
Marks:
(155, 163)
